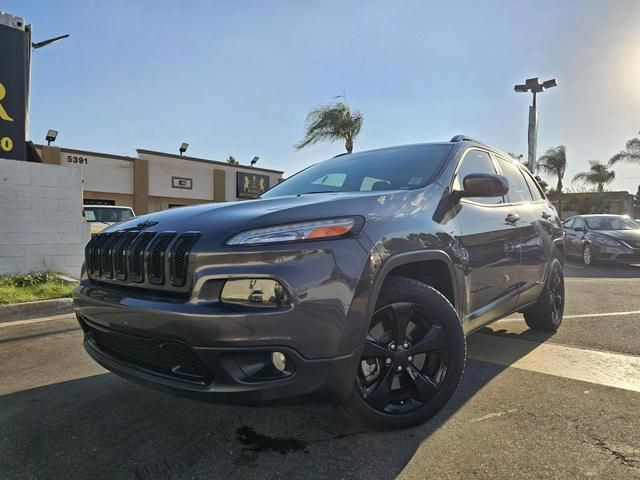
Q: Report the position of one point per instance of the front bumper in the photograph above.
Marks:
(622, 254)
(223, 375)
(319, 332)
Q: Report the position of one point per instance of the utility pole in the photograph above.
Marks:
(534, 86)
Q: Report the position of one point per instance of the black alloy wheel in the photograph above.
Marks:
(405, 359)
(412, 359)
(556, 294)
(546, 314)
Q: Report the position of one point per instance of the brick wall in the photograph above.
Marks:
(41, 226)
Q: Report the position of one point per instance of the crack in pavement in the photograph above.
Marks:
(621, 457)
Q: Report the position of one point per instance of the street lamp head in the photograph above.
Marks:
(254, 161)
(520, 88)
(51, 136)
(183, 148)
(550, 83)
(44, 43)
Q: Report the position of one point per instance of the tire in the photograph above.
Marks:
(414, 379)
(546, 314)
(588, 258)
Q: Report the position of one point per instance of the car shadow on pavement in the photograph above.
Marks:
(105, 427)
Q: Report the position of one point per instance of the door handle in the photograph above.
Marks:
(546, 216)
(512, 218)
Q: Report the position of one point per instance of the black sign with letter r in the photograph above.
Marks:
(15, 51)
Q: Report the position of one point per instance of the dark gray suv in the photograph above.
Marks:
(355, 280)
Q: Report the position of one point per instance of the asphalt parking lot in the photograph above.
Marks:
(529, 406)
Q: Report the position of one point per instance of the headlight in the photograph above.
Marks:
(607, 241)
(333, 228)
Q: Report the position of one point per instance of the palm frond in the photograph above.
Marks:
(331, 122)
(630, 154)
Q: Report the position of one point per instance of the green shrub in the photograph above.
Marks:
(29, 280)
(34, 286)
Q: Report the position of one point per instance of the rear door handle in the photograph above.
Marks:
(512, 218)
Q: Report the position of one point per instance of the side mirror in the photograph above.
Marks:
(484, 185)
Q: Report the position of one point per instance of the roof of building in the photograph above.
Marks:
(206, 160)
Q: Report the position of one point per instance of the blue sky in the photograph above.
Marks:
(237, 78)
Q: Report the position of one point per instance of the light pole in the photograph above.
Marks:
(534, 86)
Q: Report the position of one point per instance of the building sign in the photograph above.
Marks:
(182, 182)
(251, 185)
(15, 51)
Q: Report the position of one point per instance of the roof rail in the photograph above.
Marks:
(464, 138)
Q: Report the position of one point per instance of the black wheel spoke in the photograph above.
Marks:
(425, 387)
(435, 339)
(379, 394)
(372, 349)
(401, 313)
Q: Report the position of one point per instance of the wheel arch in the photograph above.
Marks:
(442, 276)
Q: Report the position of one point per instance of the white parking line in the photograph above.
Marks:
(602, 368)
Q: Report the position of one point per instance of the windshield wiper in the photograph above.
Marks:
(318, 191)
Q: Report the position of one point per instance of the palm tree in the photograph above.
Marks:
(630, 154)
(332, 122)
(554, 162)
(598, 174)
(232, 161)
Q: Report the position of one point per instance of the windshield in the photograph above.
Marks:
(612, 222)
(107, 214)
(397, 168)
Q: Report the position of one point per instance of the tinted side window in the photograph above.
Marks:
(518, 189)
(579, 223)
(535, 189)
(476, 161)
(569, 223)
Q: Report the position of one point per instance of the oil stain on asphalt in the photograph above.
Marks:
(253, 441)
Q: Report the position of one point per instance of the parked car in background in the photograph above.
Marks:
(355, 280)
(602, 238)
(102, 216)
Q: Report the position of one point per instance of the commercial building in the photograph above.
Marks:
(155, 181)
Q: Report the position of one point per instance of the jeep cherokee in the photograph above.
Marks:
(355, 280)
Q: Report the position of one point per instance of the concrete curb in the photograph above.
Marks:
(30, 310)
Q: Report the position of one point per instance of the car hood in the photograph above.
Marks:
(219, 221)
(630, 236)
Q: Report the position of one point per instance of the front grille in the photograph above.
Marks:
(180, 258)
(156, 257)
(145, 259)
(167, 357)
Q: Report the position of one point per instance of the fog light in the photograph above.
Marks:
(255, 292)
(279, 361)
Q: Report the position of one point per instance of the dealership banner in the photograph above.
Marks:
(15, 51)
(250, 185)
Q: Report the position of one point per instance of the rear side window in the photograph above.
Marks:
(535, 189)
(476, 161)
(569, 223)
(518, 188)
